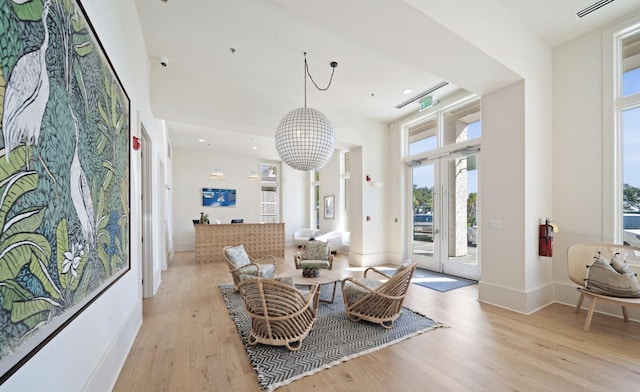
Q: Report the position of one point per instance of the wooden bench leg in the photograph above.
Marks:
(625, 314)
(579, 305)
(587, 323)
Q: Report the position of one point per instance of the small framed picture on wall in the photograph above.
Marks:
(329, 207)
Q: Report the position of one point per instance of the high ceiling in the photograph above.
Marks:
(235, 68)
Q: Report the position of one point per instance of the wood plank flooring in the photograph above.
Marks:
(188, 343)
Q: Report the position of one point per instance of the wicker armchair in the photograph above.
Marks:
(376, 301)
(280, 314)
(239, 262)
(314, 254)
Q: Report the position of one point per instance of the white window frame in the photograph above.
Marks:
(613, 106)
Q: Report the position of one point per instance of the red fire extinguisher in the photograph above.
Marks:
(545, 247)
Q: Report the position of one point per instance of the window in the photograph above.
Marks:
(269, 193)
(631, 65)
(459, 122)
(462, 123)
(346, 175)
(423, 137)
(628, 111)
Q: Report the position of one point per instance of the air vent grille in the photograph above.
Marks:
(593, 7)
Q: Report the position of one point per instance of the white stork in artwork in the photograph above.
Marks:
(27, 94)
(80, 192)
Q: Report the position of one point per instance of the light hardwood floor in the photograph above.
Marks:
(188, 343)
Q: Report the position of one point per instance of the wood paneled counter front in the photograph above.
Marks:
(259, 239)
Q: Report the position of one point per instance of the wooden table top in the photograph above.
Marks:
(326, 276)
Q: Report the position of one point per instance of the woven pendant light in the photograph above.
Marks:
(305, 139)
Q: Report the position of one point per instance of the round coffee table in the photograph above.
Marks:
(325, 277)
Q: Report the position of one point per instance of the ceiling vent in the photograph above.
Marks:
(593, 7)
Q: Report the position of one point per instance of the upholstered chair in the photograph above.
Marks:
(280, 314)
(315, 254)
(239, 262)
(377, 298)
(302, 236)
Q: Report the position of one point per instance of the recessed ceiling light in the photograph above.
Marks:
(407, 91)
(201, 140)
(254, 148)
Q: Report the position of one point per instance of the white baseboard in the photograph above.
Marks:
(516, 300)
(105, 375)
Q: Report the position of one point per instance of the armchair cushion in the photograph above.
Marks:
(317, 250)
(605, 278)
(319, 264)
(288, 280)
(355, 291)
(238, 255)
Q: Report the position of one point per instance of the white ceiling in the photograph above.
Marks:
(234, 101)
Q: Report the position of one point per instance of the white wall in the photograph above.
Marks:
(191, 171)
(89, 353)
(330, 183)
(581, 202)
(295, 195)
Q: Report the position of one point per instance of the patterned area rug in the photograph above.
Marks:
(333, 340)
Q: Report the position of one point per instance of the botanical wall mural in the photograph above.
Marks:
(64, 173)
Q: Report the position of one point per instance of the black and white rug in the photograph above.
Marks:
(333, 340)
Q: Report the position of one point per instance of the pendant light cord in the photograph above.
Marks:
(333, 65)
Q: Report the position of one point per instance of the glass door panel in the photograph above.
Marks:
(424, 247)
(460, 236)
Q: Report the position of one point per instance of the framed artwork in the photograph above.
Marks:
(64, 174)
(329, 205)
(212, 197)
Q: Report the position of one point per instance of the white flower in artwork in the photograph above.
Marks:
(72, 259)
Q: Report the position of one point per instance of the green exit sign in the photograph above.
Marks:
(425, 103)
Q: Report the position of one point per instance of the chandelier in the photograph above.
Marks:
(305, 139)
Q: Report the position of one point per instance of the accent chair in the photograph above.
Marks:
(280, 314)
(374, 300)
(239, 262)
(316, 254)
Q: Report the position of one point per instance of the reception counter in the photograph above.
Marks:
(259, 239)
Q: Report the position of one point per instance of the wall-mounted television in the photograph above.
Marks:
(213, 197)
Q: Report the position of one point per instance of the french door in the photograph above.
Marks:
(444, 215)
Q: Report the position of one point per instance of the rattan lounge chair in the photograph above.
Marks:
(280, 314)
(315, 254)
(239, 262)
(374, 300)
